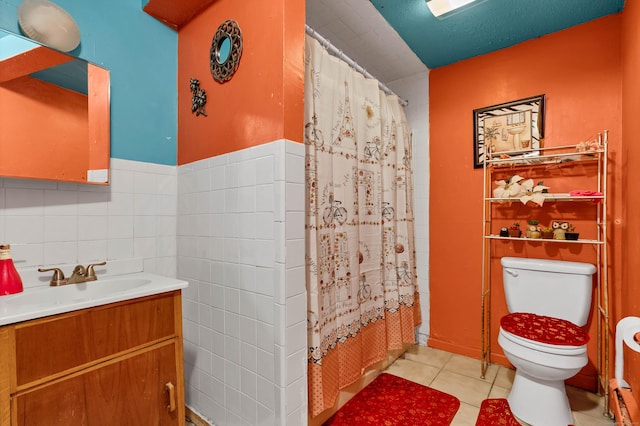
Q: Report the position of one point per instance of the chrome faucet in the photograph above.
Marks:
(80, 274)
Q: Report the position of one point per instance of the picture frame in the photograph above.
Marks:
(513, 128)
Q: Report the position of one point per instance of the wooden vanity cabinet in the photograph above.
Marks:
(117, 364)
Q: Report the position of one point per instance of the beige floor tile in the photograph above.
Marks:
(585, 402)
(470, 367)
(504, 378)
(499, 392)
(429, 356)
(466, 415)
(466, 389)
(460, 376)
(587, 420)
(414, 371)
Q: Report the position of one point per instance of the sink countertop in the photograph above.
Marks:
(38, 302)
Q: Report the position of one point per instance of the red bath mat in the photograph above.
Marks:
(494, 412)
(393, 401)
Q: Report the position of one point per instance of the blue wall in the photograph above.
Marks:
(486, 26)
(141, 54)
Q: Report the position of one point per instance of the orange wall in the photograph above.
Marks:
(99, 118)
(57, 147)
(264, 101)
(631, 170)
(579, 71)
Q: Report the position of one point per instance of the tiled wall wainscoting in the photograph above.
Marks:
(52, 223)
(416, 89)
(241, 247)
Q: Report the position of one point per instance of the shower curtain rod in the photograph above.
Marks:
(340, 54)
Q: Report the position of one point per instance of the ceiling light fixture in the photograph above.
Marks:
(49, 24)
(442, 7)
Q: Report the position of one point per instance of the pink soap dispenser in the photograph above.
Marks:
(10, 281)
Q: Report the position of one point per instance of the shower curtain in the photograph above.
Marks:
(360, 259)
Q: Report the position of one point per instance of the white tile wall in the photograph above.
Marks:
(416, 89)
(241, 246)
(54, 223)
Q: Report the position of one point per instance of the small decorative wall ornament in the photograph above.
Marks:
(199, 98)
(226, 50)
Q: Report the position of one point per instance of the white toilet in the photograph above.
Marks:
(549, 301)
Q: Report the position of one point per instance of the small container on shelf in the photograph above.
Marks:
(546, 233)
(533, 230)
(514, 230)
(570, 233)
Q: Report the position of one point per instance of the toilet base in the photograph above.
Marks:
(540, 402)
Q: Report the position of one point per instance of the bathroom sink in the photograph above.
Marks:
(37, 302)
(71, 293)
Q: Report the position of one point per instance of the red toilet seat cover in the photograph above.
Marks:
(553, 331)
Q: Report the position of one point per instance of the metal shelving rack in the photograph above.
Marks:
(548, 157)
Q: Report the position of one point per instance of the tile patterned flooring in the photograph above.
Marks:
(460, 376)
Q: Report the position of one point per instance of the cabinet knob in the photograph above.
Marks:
(171, 393)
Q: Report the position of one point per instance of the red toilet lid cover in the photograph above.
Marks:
(553, 331)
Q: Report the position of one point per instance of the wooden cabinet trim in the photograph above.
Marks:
(7, 378)
(79, 312)
(10, 391)
(130, 387)
(90, 365)
(50, 381)
(69, 342)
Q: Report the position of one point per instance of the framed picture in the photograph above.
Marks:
(513, 128)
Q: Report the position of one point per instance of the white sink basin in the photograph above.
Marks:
(44, 301)
(72, 293)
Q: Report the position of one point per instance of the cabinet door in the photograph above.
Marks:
(73, 341)
(131, 390)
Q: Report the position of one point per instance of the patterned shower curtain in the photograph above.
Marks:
(360, 267)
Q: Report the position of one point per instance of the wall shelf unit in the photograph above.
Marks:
(564, 162)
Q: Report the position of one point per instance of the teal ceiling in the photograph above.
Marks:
(486, 26)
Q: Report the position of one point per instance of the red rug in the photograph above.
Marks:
(393, 401)
(496, 412)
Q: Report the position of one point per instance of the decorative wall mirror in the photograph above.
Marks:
(226, 50)
(54, 114)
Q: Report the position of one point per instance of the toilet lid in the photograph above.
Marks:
(543, 329)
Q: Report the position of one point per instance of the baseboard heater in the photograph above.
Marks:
(623, 405)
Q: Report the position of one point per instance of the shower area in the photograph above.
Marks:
(363, 299)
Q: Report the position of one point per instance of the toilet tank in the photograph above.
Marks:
(554, 288)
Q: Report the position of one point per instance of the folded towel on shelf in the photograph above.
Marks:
(584, 193)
